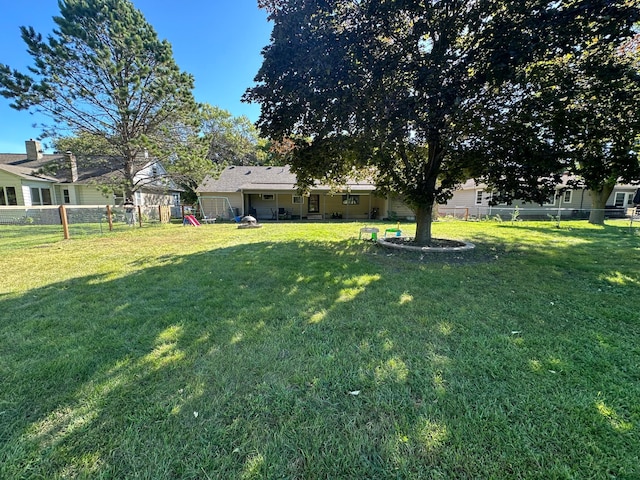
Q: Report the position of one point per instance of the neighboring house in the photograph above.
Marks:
(473, 200)
(62, 179)
(271, 193)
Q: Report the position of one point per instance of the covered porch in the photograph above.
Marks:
(317, 205)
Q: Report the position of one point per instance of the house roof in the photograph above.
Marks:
(269, 179)
(56, 168)
(26, 173)
(471, 184)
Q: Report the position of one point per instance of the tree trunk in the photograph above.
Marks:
(598, 203)
(129, 175)
(424, 217)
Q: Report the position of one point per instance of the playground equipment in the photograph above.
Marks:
(212, 207)
(190, 220)
(395, 231)
(369, 230)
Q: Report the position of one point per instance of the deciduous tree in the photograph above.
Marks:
(388, 84)
(204, 143)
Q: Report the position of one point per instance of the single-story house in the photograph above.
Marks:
(38, 178)
(270, 193)
(473, 200)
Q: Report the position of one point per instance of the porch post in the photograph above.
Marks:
(324, 206)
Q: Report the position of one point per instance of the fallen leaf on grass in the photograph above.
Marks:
(355, 393)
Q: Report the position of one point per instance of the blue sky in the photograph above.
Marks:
(217, 41)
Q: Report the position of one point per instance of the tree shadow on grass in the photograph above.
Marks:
(304, 360)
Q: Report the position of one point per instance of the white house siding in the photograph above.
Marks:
(8, 180)
(73, 198)
(462, 204)
(157, 199)
(89, 195)
(399, 209)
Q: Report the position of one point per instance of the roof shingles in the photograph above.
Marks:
(270, 178)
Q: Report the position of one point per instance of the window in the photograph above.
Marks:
(8, 196)
(622, 199)
(297, 200)
(314, 204)
(351, 199)
(619, 199)
(40, 196)
(267, 196)
(551, 199)
(494, 197)
(566, 196)
(66, 196)
(12, 198)
(46, 196)
(479, 197)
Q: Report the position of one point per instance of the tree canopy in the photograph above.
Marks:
(398, 86)
(583, 108)
(205, 142)
(102, 73)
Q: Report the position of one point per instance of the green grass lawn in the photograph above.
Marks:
(297, 351)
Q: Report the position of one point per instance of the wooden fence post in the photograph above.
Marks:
(109, 219)
(140, 215)
(65, 222)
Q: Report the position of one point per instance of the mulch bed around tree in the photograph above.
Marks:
(435, 242)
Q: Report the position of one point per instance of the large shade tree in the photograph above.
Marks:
(599, 119)
(582, 111)
(204, 143)
(388, 84)
(102, 73)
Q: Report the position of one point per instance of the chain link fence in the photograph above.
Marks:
(89, 219)
(512, 213)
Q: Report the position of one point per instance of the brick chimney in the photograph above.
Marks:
(73, 166)
(34, 149)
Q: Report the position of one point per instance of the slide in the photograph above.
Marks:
(192, 220)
